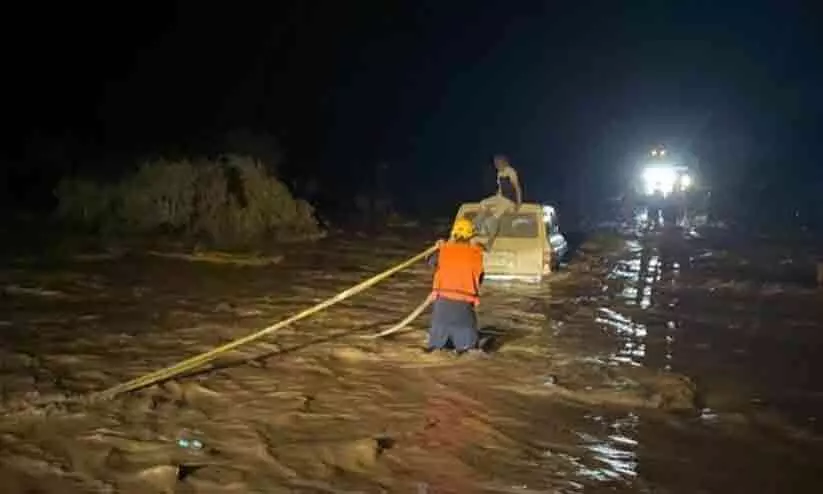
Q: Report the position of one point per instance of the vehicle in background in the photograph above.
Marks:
(667, 192)
(528, 245)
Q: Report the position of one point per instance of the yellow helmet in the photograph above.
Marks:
(463, 229)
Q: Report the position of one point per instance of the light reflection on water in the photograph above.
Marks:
(611, 456)
(607, 447)
(606, 455)
(638, 276)
(637, 313)
(631, 335)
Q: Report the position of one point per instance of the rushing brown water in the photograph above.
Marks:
(651, 364)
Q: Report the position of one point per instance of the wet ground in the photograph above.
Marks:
(652, 363)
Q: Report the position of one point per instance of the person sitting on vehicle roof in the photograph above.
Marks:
(508, 198)
(455, 290)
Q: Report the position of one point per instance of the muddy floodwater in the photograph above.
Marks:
(656, 363)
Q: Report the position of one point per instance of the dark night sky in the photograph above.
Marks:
(571, 90)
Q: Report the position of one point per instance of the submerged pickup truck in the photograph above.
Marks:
(528, 246)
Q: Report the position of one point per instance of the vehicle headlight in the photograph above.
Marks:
(660, 180)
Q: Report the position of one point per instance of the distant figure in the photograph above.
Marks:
(508, 199)
(456, 290)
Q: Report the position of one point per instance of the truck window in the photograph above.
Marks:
(518, 225)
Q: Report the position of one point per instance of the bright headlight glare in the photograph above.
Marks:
(659, 180)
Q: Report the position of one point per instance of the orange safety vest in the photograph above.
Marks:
(459, 268)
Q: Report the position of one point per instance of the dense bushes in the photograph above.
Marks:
(231, 201)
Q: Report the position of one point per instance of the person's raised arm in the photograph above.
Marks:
(518, 190)
(511, 174)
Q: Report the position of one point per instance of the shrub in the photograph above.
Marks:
(231, 201)
(160, 195)
(238, 203)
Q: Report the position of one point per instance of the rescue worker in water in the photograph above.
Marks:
(455, 290)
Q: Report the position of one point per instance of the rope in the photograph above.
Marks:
(198, 360)
(405, 322)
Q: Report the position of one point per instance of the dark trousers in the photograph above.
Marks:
(453, 321)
